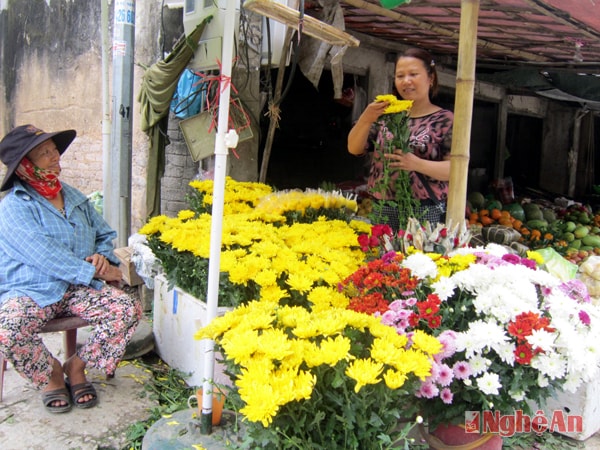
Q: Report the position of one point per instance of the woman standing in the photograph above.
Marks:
(56, 260)
(428, 158)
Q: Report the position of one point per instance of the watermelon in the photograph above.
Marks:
(476, 199)
(516, 211)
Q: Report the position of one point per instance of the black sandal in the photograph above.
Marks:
(80, 390)
(49, 397)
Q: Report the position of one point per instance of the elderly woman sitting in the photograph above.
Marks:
(56, 260)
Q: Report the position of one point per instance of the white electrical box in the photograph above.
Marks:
(210, 46)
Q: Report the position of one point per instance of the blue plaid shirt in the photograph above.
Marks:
(42, 252)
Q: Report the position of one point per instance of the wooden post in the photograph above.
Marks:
(463, 112)
(501, 139)
(274, 107)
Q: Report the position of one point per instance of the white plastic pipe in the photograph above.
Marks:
(221, 151)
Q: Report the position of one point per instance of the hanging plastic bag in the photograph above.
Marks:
(557, 265)
(189, 96)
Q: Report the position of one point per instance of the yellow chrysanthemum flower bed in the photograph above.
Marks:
(290, 361)
(262, 255)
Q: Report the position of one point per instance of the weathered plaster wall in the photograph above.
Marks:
(51, 76)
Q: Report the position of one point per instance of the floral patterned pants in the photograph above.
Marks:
(112, 313)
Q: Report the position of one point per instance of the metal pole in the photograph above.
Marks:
(118, 197)
(106, 169)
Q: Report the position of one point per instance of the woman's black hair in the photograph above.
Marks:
(428, 63)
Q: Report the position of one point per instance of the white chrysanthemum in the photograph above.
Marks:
(464, 342)
(471, 279)
(518, 396)
(542, 381)
(542, 339)
(544, 278)
(496, 249)
(482, 335)
(479, 364)
(560, 303)
(572, 383)
(552, 365)
(465, 251)
(444, 288)
(421, 265)
(506, 352)
(489, 383)
(582, 361)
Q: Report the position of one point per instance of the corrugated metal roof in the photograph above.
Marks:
(554, 33)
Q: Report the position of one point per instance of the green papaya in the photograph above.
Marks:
(493, 204)
(584, 218)
(570, 226)
(477, 200)
(581, 231)
(591, 240)
(549, 215)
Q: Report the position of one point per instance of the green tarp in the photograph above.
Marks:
(158, 86)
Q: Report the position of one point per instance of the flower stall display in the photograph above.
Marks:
(342, 335)
(512, 333)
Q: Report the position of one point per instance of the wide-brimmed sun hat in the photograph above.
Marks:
(21, 140)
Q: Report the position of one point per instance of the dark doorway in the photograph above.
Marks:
(310, 145)
(524, 150)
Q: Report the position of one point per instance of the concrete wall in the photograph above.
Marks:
(51, 76)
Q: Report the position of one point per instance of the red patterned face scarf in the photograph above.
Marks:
(44, 181)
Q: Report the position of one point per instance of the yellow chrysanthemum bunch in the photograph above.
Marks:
(393, 186)
(395, 105)
(306, 205)
(239, 196)
(282, 354)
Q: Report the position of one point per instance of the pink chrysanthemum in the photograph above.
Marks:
(461, 370)
(446, 396)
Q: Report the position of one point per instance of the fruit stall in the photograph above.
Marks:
(571, 228)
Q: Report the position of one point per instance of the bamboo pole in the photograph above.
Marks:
(463, 112)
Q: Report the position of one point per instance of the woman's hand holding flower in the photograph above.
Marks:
(373, 111)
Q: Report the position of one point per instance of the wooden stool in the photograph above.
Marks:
(67, 324)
